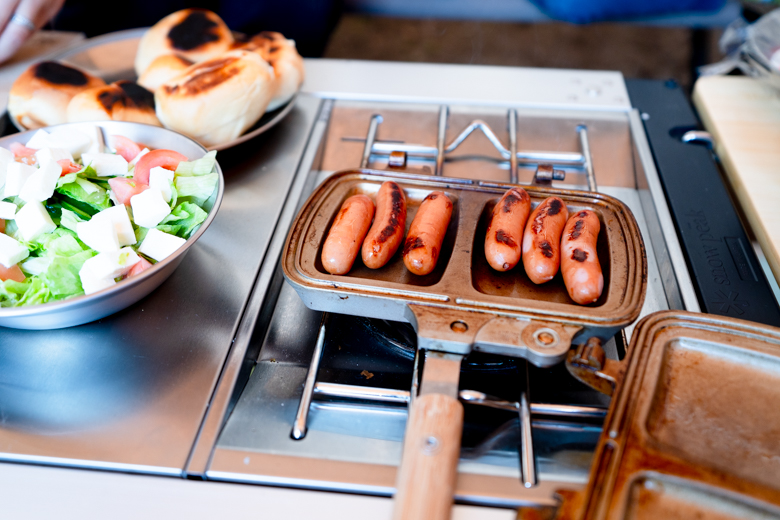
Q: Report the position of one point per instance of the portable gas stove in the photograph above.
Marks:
(293, 397)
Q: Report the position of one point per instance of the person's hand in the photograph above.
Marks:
(19, 19)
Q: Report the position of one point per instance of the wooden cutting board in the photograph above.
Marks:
(743, 115)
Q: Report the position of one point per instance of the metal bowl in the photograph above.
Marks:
(87, 308)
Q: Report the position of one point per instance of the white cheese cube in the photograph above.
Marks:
(111, 264)
(119, 218)
(160, 245)
(33, 221)
(40, 139)
(91, 283)
(18, 173)
(75, 141)
(149, 208)
(52, 155)
(6, 158)
(96, 144)
(11, 251)
(36, 265)
(40, 186)
(98, 234)
(161, 179)
(137, 157)
(105, 164)
(7, 210)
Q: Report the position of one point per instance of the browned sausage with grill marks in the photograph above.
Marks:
(504, 236)
(579, 261)
(542, 240)
(387, 233)
(426, 234)
(346, 234)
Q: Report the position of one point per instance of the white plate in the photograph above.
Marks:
(112, 56)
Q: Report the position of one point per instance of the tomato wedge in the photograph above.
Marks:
(125, 147)
(2, 226)
(11, 273)
(68, 167)
(167, 159)
(139, 267)
(19, 150)
(124, 188)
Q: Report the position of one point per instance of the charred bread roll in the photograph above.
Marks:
(40, 95)
(163, 69)
(196, 34)
(120, 101)
(217, 100)
(281, 54)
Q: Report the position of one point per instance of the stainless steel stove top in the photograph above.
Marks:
(349, 437)
(210, 385)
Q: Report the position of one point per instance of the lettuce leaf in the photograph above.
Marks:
(202, 166)
(30, 292)
(62, 276)
(197, 189)
(77, 196)
(183, 220)
(69, 219)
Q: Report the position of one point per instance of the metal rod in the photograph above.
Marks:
(384, 148)
(527, 459)
(444, 113)
(383, 395)
(299, 428)
(367, 393)
(583, 131)
(370, 138)
(512, 145)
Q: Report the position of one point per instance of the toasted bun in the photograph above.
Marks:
(196, 34)
(120, 101)
(215, 101)
(163, 69)
(281, 54)
(40, 95)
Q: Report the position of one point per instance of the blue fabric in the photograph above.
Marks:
(585, 11)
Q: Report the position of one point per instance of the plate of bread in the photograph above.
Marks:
(189, 73)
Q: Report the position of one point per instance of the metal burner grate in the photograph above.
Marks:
(398, 152)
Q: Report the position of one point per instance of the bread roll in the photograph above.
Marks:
(120, 101)
(196, 34)
(215, 101)
(281, 54)
(40, 95)
(163, 69)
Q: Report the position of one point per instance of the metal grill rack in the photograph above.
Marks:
(398, 153)
(524, 408)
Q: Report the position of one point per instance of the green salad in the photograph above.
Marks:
(78, 216)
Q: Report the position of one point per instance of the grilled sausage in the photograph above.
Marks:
(346, 234)
(579, 261)
(542, 240)
(426, 234)
(387, 233)
(503, 239)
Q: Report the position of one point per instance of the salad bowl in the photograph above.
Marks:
(82, 309)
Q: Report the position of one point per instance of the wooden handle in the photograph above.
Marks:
(429, 465)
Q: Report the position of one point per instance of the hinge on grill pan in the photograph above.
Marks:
(589, 364)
